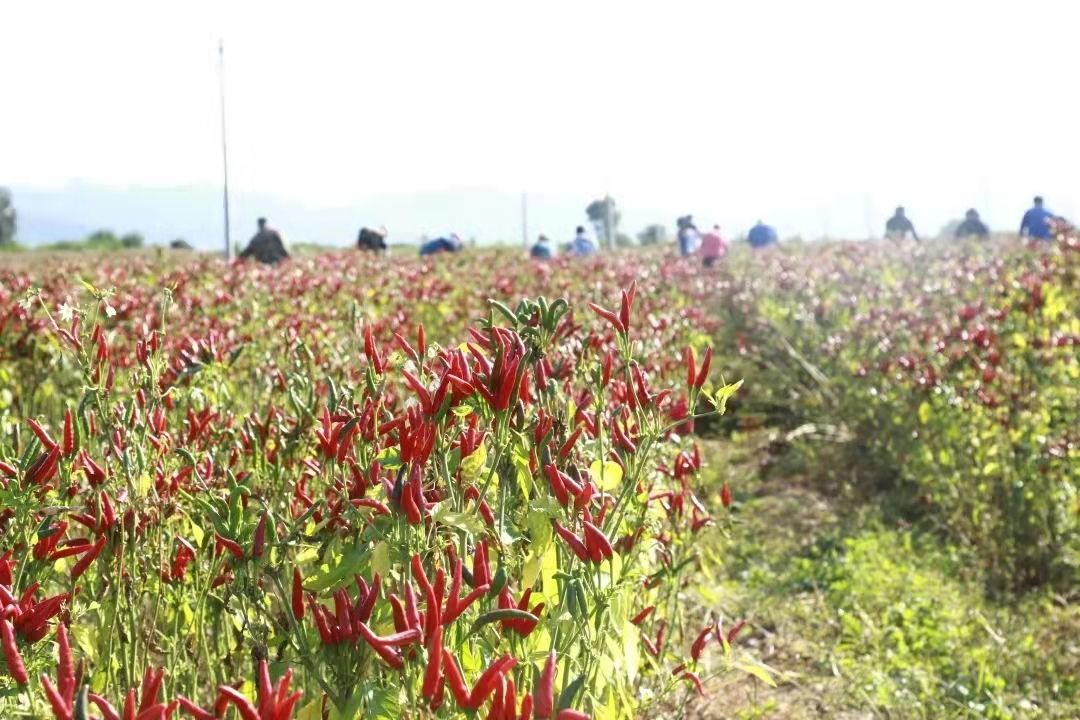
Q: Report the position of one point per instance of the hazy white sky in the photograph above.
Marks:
(828, 111)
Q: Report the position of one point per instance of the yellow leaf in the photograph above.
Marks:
(759, 671)
(380, 559)
(472, 466)
(924, 412)
(607, 476)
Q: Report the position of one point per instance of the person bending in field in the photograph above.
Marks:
(266, 246)
(372, 240)
(899, 226)
(761, 236)
(972, 226)
(449, 244)
(542, 249)
(1038, 222)
(713, 247)
(582, 245)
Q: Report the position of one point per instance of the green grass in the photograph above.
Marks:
(861, 617)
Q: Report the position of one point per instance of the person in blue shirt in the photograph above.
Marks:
(449, 244)
(1038, 222)
(761, 235)
(542, 249)
(689, 238)
(582, 245)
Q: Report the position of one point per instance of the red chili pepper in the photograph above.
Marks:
(569, 714)
(725, 495)
(61, 709)
(84, 562)
(399, 639)
(640, 617)
(622, 439)
(691, 366)
(243, 705)
(545, 689)
(231, 545)
(650, 646)
(65, 673)
(297, 594)
(624, 307)
(611, 317)
(391, 656)
(703, 373)
(420, 389)
(378, 507)
(108, 514)
(526, 707)
(412, 613)
(433, 672)
(43, 436)
(15, 665)
(321, 624)
(699, 643)
(110, 712)
(69, 433)
(568, 446)
(258, 543)
(456, 681)
(192, 709)
(596, 541)
(558, 487)
(485, 684)
(151, 686)
(363, 612)
(571, 540)
(734, 631)
(693, 677)
(44, 467)
(408, 504)
(432, 613)
(481, 565)
(409, 349)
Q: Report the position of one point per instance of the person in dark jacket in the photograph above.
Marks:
(373, 240)
(449, 244)
(899, 226)
(266, 246)
(972, 226)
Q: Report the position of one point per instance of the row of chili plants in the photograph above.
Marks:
(946, 371)
(276, 486)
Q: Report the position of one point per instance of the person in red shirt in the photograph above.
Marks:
(713, 247)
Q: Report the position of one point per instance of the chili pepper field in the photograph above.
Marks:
(823, 480)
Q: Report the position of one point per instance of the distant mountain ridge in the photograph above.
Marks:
(195, 213)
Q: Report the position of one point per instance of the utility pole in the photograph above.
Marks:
(224, 146)
(525, 220)
(610, 221)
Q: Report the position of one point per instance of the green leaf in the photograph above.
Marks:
(349, 565)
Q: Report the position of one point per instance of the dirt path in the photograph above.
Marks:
(778, 516)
